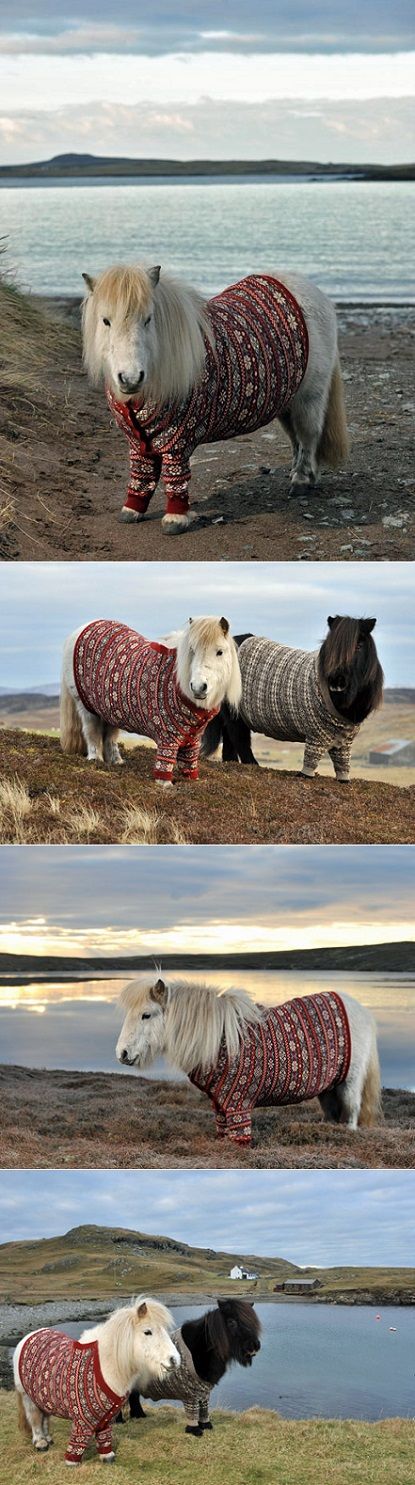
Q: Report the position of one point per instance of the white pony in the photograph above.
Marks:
(180, 371)
(114, 678)
(88, 1380)
(245, 1055)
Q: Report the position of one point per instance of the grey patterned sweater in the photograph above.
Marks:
(183, 1385)
(284, 698)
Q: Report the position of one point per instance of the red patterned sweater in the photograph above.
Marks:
(296, 1051)
(131, 683)
(64, 1377)
(251, 374)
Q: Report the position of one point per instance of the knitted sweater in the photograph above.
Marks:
(295, 1052)
(183, 1385)
(284, 697)
(64, 1377)
(131, 683)
(251, 373)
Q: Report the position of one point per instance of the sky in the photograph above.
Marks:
(307, 79)
(85, 900)
(41, 603)
(309, 1217)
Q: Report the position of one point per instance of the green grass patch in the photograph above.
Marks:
(253, 1448)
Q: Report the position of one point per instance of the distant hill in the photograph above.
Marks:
(79, 164)
(395, 958)
(96, 1262)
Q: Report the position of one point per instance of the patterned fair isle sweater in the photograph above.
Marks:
(183, 1385)
(64, 1377)
(251, 374)
(131, 683)
(284, 697)
(295, 1052)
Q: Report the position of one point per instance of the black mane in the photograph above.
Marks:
(349, 665)
(229, 1333)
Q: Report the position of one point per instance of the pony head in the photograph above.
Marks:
(349, 666)
(185, 1020)
(238, 1330)
(136, 1343)
(207, 665)
(142, 334)
(143, 1034)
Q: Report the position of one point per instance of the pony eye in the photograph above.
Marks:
(219, 652)
(105, 321)
(146, 1016)
(148, 1332)
(148, 320)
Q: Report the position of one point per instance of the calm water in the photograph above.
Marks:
(355, 239)
(323, 1362)
(75, 1025)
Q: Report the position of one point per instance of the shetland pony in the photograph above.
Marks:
(244, 1055)
(88, 1380)
(207, 1346)
(114, 678)
(320, 699)
(181, 371)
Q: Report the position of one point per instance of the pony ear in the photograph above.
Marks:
(158, 992)
(90, 282)
(190, 622)
(142, 1310)
(224, 626)
(330, 621)
(367, 625)
(154, 274)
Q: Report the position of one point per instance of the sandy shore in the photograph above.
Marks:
(68, 491)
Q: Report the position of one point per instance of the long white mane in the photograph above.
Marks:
(197, 1018)
(181, 326)
(118, 1336)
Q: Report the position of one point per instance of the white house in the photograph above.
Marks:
(241, 1273)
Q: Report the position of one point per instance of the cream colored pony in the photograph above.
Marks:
(134, 1350)
(153, 341)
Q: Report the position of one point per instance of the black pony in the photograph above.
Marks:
(231, 1332)
(300, 697)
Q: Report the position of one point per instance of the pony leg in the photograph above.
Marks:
(312, 755)
(340, 757)
(93, 732)
(191, 1410)
(237, 741)
(35, 1420)
(111, 750)
(136, 1410)
(103, 1439)
(204, 1419)
(176, 476)
(45, 1427)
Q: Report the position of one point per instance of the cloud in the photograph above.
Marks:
(379, 129)
(310, 1217)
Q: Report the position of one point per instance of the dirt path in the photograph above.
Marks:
(68, 480)
(102, 1119)
(55, 799)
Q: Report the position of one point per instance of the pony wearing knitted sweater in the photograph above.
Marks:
(89, 1380)
(180, 371)
(246, 1056)
(114, 678)
(318, 697)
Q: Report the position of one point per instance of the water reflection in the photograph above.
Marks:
(74, 1024)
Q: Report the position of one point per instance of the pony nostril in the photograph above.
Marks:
(123, 379)
(124, 1055)
(140, 378)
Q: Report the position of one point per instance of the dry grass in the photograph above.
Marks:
(105, 1120)
(252, 1448)
(141, 827)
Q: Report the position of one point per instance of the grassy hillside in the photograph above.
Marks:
(388, 958)
(34, 349)
(95, 1262)
(47, 797)
(253, 1448)
(77, 164)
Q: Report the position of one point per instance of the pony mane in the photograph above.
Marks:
(198, 1018)
(341, 653)
(120, 1329)
(181, 327)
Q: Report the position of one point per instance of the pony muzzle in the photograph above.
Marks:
(199, 692)
(130, 384)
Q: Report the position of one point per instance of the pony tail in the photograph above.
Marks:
(370, 1112)
(71, 735)
(333, 446)
(22, 1422)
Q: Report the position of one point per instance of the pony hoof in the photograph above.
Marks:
(208, 1426)
(129, 515)
(107, 1458)
(42, 1446)
(197, 1432)
(173, 525)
